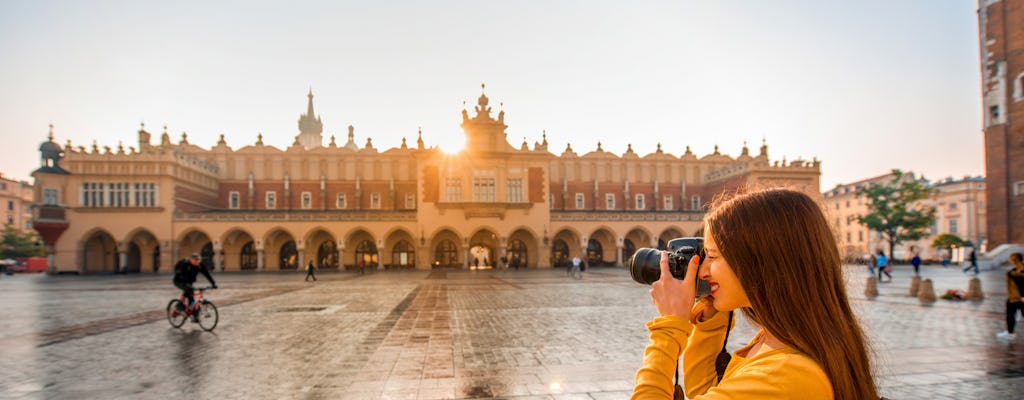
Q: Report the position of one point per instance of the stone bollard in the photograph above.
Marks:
(974, 290)
(915, 283)
(926, 292)
(871, 288)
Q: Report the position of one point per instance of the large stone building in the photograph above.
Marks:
(1001, 24)
(16, 200)
(959, 209)
(263, 208)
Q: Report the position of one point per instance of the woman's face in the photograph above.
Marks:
(725, 287)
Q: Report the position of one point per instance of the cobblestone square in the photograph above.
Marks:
(444, 334)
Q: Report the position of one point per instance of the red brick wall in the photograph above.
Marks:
(430, 178)
(1004, 143)
(189, 200)
(536, 178)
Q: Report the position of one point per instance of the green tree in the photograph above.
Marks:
(893, 209)
(16, 243)
(947, 241)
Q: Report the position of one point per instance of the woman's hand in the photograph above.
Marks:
(672, 296)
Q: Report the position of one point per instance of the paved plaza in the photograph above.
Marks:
(527, 334)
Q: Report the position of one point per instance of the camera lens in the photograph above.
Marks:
(644, 265)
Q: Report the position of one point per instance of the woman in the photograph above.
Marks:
(883, 266)
(771, 254)
(1014, 295)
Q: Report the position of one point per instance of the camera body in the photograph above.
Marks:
(645, 264)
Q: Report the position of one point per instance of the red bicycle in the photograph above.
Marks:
(202, 311)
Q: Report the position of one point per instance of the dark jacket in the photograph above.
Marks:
(185, 272)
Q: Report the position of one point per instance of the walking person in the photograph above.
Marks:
(1014, 296)
(916, 262)
(882, 264)
(871, 264)
(973, 260)
(783, 271)
(309, 272)
(362, 266)
(575, 272)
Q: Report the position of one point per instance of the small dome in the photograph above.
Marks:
(49, 149)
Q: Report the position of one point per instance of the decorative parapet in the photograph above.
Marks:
(627, 215)
(743, 168)
(294, 216)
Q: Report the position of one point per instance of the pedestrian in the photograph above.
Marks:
(503, 262)
(945, 258)
(362, 266)
(882, 263)
(916, 262)
(309, 272)
(1014, 295)
(973, 262)
(575, 272)
(871, 264)
(809, 345)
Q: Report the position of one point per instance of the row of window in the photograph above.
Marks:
(113, 194)
(954, 228)
(306, 202)
(640, 202)
(483, 189)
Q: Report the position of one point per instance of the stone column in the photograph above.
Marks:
(122, 257)
(167, 250)
(341, 254)
(544, 254)
(380, 259)
(300, 249)
(218, 256)
(260, 262)
(618, 255)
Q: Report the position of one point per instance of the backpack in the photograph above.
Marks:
(180, 270)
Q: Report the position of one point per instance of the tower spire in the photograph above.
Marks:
(310, 126)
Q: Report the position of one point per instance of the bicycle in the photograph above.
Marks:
(202, 311)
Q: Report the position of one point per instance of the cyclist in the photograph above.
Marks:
(185, 272)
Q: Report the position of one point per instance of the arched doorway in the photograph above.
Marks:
(628, 248)
(559, 253)
(289, 255)
(480, 257)
(207, 255)
(134, 258)
(156, 258)
(100, 254)
(403, 255)
(247, 258)
(446, 255)
(595, 252)
(366, 252)
(327, 255)
(518, 254)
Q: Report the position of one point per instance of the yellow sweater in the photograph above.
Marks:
(776, 374)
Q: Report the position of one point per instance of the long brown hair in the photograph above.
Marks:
(781, 249)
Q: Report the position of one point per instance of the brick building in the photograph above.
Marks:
(263, 208)
(1001, 25)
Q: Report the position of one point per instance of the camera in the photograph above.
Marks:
(645, 264)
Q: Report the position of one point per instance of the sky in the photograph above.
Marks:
(863, 86)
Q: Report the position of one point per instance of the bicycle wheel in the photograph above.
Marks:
(174, 314)
(208, 316)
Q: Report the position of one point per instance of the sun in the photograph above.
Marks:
(452, 148)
